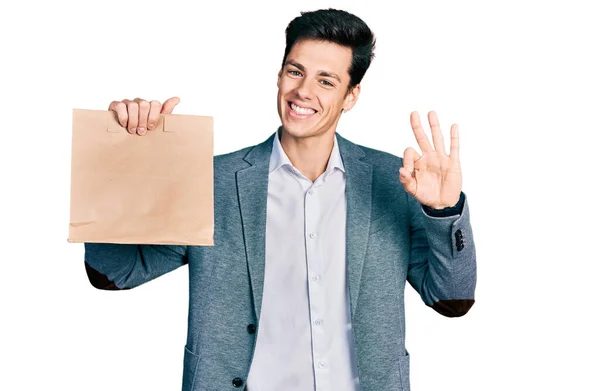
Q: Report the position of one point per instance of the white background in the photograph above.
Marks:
(521, 78)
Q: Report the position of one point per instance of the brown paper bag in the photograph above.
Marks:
(151, 189)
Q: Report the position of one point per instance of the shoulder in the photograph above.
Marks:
(381, 161)
(380, 158)
(385, 169)
(245, 157)
(232, 160)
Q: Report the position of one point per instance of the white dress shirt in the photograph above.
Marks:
(304, 340)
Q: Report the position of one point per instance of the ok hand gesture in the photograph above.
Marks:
(434, 178)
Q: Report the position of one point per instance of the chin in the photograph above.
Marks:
(297, 130)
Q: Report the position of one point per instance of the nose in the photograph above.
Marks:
(303, 91)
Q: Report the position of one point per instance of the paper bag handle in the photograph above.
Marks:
(113, 125)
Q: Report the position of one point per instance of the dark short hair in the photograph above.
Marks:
(339, 27)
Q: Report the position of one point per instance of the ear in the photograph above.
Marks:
(279, 77)
(351, 98)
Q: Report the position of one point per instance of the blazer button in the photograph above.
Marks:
(237, 382)
(251, 329)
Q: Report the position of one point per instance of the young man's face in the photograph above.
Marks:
(313, 86)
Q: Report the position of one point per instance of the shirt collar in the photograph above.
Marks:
(279, 157)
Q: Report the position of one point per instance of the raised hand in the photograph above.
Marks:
(139, 115)
(433, 178)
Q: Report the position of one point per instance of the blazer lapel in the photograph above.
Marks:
(252, 186)
(359, 176)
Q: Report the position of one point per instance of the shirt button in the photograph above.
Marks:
(312, 235)
(318, 322)
(237, 382)
(321, 364)
(315, 278)
(310, 192)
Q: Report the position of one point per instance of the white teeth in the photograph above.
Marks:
(302, 110)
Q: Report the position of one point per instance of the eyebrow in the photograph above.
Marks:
(321, 73)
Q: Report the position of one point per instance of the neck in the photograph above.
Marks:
(309, 155)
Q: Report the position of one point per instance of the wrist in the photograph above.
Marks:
(438, 207)
(440, 210)
(444, 206)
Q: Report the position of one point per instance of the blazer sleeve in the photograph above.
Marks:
(442, 266)
(125, 266)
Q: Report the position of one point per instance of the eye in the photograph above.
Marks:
(294, 72)
(325, 82)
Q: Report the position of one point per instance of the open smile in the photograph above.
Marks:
(299, 111)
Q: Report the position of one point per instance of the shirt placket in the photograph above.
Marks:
(316, 291)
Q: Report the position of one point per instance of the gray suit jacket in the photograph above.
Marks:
(390, 240)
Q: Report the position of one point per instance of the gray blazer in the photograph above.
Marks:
(390, 240)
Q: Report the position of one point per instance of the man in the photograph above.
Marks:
(315, 236)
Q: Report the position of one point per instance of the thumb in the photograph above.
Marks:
(169, 105)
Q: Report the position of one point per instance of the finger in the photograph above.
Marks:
(133, 110)
(405, 176)
(420, 135)
(436, 133)
(409, 159)
(409, 183)
(169, 105)
(454, 144)
(407, 173)
(154, 114)
(120, 109)
(144, 110)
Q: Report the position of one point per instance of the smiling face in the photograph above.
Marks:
(313, 88)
